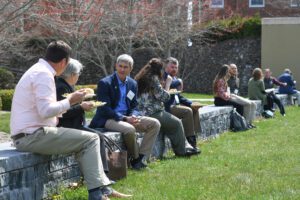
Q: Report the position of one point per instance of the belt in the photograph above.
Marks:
(21, 135)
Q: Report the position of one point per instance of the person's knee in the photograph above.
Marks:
(155, 124)
(93, 138)
(178, 123)
(187, 112)
(129, 130)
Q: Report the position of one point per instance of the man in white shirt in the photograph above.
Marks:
(35, 113)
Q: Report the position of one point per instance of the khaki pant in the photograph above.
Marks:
(148, 125)
(85, 145)
(249, 107)
(186, 115)
(172, 127)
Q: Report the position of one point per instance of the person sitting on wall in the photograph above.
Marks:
(269, 82)
(34, 117)
(151, 99)
(179, 105)
(233, 81)
(223, 97)
(75, 116)
(256, 89)
(120, 112)
(289, 89)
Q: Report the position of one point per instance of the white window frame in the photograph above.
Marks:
(295, 5)
(256, 6)
(216, 6)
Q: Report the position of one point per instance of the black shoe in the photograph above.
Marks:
(138, 163)
(250, 126)
(192, 140)
(191, 152)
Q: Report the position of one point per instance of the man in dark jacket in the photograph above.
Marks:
(233, 82)
(269, 82)
(120, 112)
(180, 106)
(287, 78)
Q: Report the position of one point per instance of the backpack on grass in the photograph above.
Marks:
(237, 122)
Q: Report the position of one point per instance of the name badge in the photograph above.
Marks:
(236, 91)
(177, 99)
(130, 95)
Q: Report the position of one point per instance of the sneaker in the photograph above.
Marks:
(250, 126)
(138, 163)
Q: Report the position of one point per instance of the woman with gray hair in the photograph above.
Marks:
(75, 116)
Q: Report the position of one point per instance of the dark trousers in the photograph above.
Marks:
(221, 102)
(271, 99)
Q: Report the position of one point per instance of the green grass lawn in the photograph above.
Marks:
(261, 163)
(4, 122)
(197, 96)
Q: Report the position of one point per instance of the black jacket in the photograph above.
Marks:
(74, 117)
(182, 100)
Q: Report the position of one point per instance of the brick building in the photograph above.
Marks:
(206, 10)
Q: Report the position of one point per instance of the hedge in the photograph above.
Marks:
(7, 95)
(0, 103)
(236, 27)
(6, 79)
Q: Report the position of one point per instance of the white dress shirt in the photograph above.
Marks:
(34, 103)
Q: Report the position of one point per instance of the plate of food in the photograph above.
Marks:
(174, 91)
(89, 93)
(98, 103)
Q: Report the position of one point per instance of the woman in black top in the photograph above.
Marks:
(75, 116)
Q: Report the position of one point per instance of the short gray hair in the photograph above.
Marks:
(232, 65)
(287, 70)
(172, 60)
(125, 58)
(74, 67)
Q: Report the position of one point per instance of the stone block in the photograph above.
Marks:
(214, 120)
(62, 162)
(259, 107)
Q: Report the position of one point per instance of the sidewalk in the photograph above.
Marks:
(4, 137)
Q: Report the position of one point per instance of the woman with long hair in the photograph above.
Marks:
(256, 91)
(256, 87)
(223, 97)
(151, 99)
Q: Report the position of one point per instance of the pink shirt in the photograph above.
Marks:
(34, 103)
(221, 90)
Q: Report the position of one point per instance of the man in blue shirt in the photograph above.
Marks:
(120, 112)
(290, 89)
